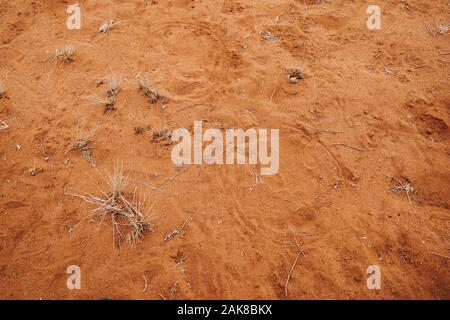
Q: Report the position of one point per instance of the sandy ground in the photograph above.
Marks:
(385, 92)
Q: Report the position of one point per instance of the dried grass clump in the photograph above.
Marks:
(162, 135)
(107, 103)
(125, 210)
(401, 183)
(152, 95)
(65, 54)
(114, 83)
(295, 74)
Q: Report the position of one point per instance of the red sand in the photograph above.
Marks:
(215, 66)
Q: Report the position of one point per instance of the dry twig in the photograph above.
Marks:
(171, 235)
(405, 186)
(153, 96)
(300, 252)
(258, 180)
(348, 146)
(440, 255)
(3, 125)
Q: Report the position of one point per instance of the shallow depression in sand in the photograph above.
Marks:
(194, 58)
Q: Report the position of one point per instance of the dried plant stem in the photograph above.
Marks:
(171, 235)
(299, 253)
(348, 146)
(274, 90)
(290, 272)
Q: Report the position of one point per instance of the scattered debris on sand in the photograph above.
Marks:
(401, 183)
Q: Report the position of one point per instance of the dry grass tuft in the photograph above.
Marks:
(144, 83)
(114, 83)
(107, 103)
(65, 54)
(297, 72)
(162, 135)
(125, 210)
(401, 183)
(295, 75)
(152, 95)
(139, 130)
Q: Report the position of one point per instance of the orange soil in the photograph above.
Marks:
(214, 66)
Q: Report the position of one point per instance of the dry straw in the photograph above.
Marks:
(145, 87)
(125, 210)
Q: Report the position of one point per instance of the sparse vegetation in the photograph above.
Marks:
(114, 83)
(114, 86)
(108, 105)
(359, 103)
(65, 54)
(153, 95)
(295, 75)
(401, 183)
(125, 210)
(161, 135)
(139, 130)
